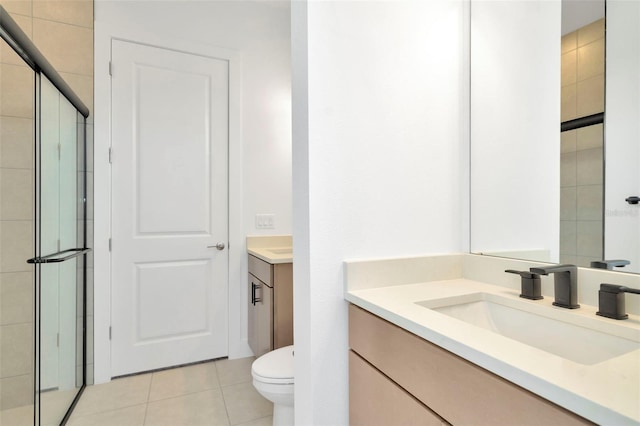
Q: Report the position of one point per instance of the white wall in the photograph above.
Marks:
(380, 112)
(515, 126)
(259, 34)
(622, 133)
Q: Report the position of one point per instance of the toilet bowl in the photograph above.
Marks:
(273, 379)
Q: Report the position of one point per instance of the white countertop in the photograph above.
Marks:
(606, 393)
(273, 255)
(272, 249)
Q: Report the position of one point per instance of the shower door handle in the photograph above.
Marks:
(61, 256)
(219, 246)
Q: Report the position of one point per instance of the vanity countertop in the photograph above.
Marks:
(273, 255)
(606, 392)
(273, 249)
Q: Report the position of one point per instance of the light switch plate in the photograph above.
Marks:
(265, 221)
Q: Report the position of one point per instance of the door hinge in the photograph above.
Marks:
(110, 156)
(110, 69)
(109, 244)
(109, 332)
(59, 151)
(58, 340)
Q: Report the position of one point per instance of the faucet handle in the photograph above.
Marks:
(611, 303)
(530, 287)
(609, 264)
(523, 274)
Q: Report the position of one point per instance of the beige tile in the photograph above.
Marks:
(7, 54)
(16, 83)
(69, 48)
(568, 206)
(21, 7)
(591, 32)
(568, 237)
(76, 12)
(202, 408)
(118, 393)
(589, 239)
(90, 146)
(583, 261)
(569, 65)
(589, 167)
(16, 297)
(130, 416)
(231, 371)
(54, 405)
(16, 194)
(16, 246)
(569, 42)
(17, 416)
(90, 371)
(16, 349)
(244, 403)
(568, 173)
(89, 195)
(183, 381)
(264, 421)
(16, 391)
(569, 102)
(80, 274)
(569, 258)
(568, 141)
(590, 96)
(590, 137)
(589, 202)
(16, 142)
(90, 243)
(82, 85)
(90, 341)
(591, 60)
(80, 208)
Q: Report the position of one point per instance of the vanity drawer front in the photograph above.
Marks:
(457, 390)
(376, 400)
(261, 270)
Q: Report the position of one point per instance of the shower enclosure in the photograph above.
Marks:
(43, 236)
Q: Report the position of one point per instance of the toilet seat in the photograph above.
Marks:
(275, 367)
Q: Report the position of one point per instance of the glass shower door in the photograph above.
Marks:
(60, 247)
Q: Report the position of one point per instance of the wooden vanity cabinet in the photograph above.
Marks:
(270, 305)
(445, 387)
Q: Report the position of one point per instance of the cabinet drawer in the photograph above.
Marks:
(261, 270)
(376, 400)
(457, 390)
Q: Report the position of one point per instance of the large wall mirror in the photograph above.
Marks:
(555, 131)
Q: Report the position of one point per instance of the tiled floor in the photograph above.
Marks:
(213, 393)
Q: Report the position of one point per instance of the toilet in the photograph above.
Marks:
(273, 379)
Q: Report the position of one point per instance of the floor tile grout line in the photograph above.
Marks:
(224, 400)
(146, 405)
(75, 416)
(226, 409)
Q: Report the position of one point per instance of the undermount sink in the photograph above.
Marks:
(561, 333)
(281, 250)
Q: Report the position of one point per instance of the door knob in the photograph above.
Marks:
(219, 246)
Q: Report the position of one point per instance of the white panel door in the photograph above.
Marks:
(169, 208)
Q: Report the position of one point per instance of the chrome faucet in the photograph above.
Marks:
(565, 284)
